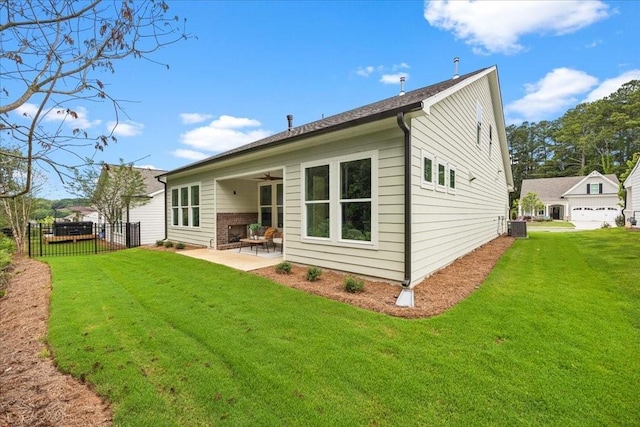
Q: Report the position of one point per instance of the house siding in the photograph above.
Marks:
(447, 226)
(151, 219)
(217, 186)
(632, 185)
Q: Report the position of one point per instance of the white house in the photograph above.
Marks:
(592, 198)
(396, 189)
(632, 185)
(151, 214)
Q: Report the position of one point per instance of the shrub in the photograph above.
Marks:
(313, 274)
(353, 285)
(283, 268)
(7, 244)
(159, 242)
(180, 245)
(605, 225)
(620, 221)
(168, 244)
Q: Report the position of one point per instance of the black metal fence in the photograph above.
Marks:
(81, 238)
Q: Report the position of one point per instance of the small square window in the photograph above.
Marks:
(452, 179)
(442, 176)
(428, 165)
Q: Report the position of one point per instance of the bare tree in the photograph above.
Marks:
(51, 53)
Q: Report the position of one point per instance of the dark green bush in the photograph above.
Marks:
(180, 245)
(283, 268)
(313, 274)
(168, 244)
(353, 285)
(159, 242)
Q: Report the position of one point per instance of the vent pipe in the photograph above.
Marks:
(402, 79)
(290, 121)
(455, 67)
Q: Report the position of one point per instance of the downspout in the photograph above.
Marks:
(407, 199)
(165, 207)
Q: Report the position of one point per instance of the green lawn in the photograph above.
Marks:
(551, 338)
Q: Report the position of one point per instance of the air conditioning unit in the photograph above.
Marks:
(517, 228)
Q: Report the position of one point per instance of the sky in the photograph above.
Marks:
(249, 64)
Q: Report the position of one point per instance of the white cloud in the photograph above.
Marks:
(78, 119)
(128, 128)
(555, 92)
(27, 110)
(400, 66)
(189, 154)
(593, 44)
(393, 79)
(609, 86)
(190, 118)
(497, 26)
(223, 134)
(365, 71)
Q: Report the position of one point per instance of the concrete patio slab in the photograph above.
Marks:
(232, 258)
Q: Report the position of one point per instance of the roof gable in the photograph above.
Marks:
(557, 188)
(151, 184)
(609, 179)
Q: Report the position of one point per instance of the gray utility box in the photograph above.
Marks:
(517, 228)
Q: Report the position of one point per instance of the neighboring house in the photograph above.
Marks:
(81, 213)
(396, 189)
(575, 198)
(632, 185)
(151, 214)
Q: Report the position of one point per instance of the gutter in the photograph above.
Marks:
(407, 199)
(166, 230)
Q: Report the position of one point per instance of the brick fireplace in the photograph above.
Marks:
(232, 226)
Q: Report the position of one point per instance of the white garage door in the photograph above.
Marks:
(601, 214)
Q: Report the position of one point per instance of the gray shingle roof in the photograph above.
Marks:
(149, 178)
(389, 107)
(553, 188)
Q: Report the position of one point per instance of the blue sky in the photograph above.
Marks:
(252, 63)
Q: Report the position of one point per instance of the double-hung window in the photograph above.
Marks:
(271, 209)
(339, 200)
(185, 206)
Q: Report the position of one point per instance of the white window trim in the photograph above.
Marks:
(189, 206)
(274, 202)
(441, 187)
(335, 217)
(454, 169)
(425, 184)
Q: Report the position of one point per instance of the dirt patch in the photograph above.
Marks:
(433, 296)
(32, 391)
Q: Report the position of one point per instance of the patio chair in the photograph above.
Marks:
(278, 240)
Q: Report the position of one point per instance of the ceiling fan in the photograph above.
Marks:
(267, 177)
